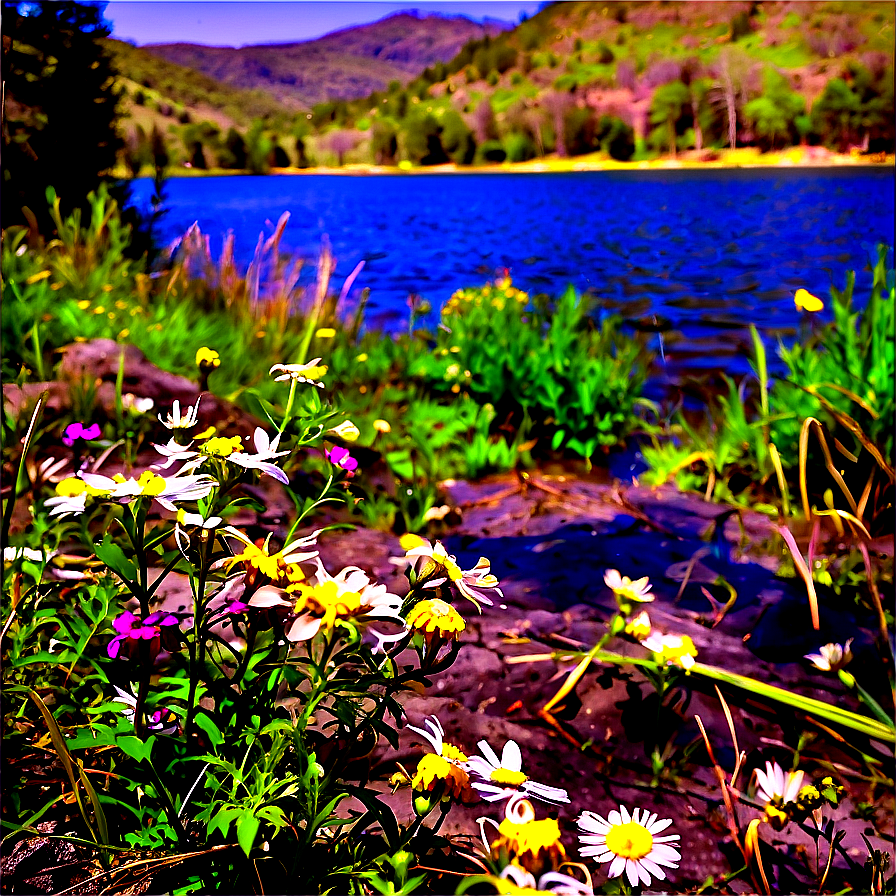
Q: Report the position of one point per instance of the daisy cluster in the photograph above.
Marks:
(528, 851)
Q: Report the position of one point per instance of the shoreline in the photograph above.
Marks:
(745, 158)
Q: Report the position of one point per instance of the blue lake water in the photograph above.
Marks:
(702, 253)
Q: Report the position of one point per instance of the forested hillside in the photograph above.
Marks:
(627, 80)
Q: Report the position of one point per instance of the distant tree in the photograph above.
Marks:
(233, 152)
(557, 104)
(61, 108)
(519, 147)
(834, 114)
(604, 54)
(259, 144)
(669, 102)
(483, 124)
(735, 68)
(422, 141)
(383, 143)
(773, 115)
(457, 139)
(302, 159)
(341, 142)
(579, 131)
(616, 138)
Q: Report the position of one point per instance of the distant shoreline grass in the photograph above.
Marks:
(745, 157)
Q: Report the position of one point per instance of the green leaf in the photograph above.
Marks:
(113, 556)
(210, 728)
(246, 829)
(136, 748)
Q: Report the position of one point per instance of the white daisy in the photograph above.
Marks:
(176, 420)
(301, 373)
(504, 779)
(776, 785)
(831, 657)
(552, 882)
(629, 843)
(265, 451)
(436, 737)
(627, 589)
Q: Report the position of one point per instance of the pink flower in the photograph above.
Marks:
(75, 431)
(132, 629)
(340, 457)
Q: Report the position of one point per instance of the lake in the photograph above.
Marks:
(700, 254)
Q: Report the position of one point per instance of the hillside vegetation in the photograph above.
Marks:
(346, 64)
(626, 80)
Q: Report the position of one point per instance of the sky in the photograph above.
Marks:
(237, 23)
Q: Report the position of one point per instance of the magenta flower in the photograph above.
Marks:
(340, 457)
(131, 629)
(75, 431)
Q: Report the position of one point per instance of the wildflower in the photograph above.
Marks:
(193, 520)
(265, 452)
(132, 629)
(629, 843)
(436, 513)
(805, 301)
(516, 881)
(436, 736)
(445, 766)
(436, 775)
(504, 779)
(73, 492)
(229, 448)
(301, 373)
(533, 844)
(176, 420)
(831, 657)
(638, 626)
(10, 555)
(136, 405)
(328, 600)
(207, 359)
(627, 590)
(673, 650)
(75, 431)
(433, 563)
(777, 786)
(436, 619)
(382, 426)
(340, 457)
(346, 430)
(161, 721)
(281, 568)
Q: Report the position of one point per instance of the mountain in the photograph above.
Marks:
(345, 64)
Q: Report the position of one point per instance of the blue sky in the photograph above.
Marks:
(242, 22)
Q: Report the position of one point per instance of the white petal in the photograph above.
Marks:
(490, 755)
(631, 871)
(656, 826)
(617, 866)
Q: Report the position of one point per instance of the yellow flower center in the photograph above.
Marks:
(221, 446)
(631, 841)
(452, 753)
(151, 483)
(531, 837)
(436, 615)
(327, 601)
(207, 357)
(71, 487)
(433, 768)
(508, 777)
